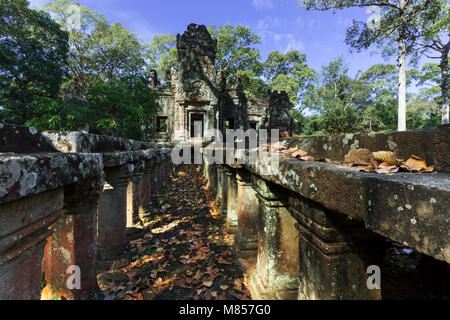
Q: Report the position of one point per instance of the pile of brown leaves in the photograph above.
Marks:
(378, 162)
(182, 255)
(385, 162)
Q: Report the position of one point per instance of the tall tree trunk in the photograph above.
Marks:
(444, 86)
(402, 70)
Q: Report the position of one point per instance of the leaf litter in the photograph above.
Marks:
(381, 162)
(184, 254)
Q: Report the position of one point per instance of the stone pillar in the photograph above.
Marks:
(145, 206)
(334, 254)
(276, 274)
(167, 163)
(246, 240)
(24, 228)
(112, 213)
(224, 189)
(219, 184)
(155, 187)
(232, 197)
(134, 191)
(212, 177)
(74, 243)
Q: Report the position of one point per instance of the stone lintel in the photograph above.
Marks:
(409, 208)
(31, 174)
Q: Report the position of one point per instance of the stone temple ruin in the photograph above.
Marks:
(196, 93)
(310, 231)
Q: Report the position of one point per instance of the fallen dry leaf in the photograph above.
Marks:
(387, 156)
(237, 285)
(358, 156)
(416, 164)
(299, 154)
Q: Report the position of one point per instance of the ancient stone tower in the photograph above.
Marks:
(195, 100)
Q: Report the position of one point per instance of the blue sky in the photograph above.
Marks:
(281, 24)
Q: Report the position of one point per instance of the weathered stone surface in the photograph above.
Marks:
(24, 227)
(246, 240)
(232, 204)
(442, 148)
(74, 243)
(61, 189)
(92, 143)
(278, 113)
(21, 139)
(405, 207)
(276, 273)
(112, 213)
(334, 254)
(430, 144)
(25, 175)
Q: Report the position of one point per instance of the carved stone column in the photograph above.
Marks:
(220, 177)
(134, 195)
(212, 177)
(24, 228)
(112, 213)
(232, 197)
(334, 254)
(246, 240)
(155, 178)
(145, 206)
(276, 274)
(224, 189)
(74, 243)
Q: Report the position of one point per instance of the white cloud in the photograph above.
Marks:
(313, 24)
(299, 22)
(291, 43)
(262, 4)
(270, 23)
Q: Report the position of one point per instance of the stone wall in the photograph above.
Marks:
(310, 230)
(67, 199)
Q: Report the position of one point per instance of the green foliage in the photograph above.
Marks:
(105, 90)
(99, 51)
(339, 99)
(123, 107)
(289, 72)
(235, 50)
(163, 53)
(33, 51)
(422, 114)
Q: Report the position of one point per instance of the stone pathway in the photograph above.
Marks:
(184, 253)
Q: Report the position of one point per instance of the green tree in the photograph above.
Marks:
(237, 55)
(123, 107)
(381, 111)
(99, 51)
(391, 23)
(33, 52)
(429, 33)
(289, 72)
(163, 54)
(340, 100)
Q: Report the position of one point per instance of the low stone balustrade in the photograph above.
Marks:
(319, 227)
(64, 202)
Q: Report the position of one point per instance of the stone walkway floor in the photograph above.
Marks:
(184, 252)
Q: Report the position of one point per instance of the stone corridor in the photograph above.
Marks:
(139, 227)
(182, 252)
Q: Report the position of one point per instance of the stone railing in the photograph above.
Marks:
(66, 202)
(314, 228)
